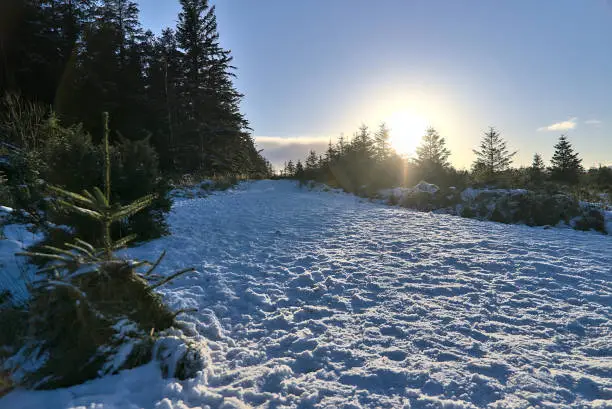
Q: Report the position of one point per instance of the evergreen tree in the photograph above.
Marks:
(37, 39)
(566, 165)
(299, 169)
(331, 153)
(290, 169)
(432, 157)
(212, 102)
(381, 140)
(89, 56)
(109, 72)
(493, 156)
(341, 145)
(537, 169)
(284, 172)
(312, 160)
(363, 144)
(432, 151)
(162, 83)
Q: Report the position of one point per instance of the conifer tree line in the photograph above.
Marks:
(368, 159)
(86, 57)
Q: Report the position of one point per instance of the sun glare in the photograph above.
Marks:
(406, 130)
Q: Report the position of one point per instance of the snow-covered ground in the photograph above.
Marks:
(323, 300)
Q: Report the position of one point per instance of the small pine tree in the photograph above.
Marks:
(381, 141)
(566, 165)
(432, 157)
(493, 156)
(81, 299)
(299, 169)
(362, 143)
(312, 160)
(432, 151)
(290, 169)
(331, 153)
(341, 145)
(537, 169)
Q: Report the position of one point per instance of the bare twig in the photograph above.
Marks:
(172, 277)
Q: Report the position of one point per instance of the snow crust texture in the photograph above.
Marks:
(312, 299)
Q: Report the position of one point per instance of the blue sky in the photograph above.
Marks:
(312, 70)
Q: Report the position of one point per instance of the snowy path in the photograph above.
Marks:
(318, 299)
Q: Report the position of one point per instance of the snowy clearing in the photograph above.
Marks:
(311, 299)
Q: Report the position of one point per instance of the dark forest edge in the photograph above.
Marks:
(563, 193)
(174, 121)
(174, 89)
(174, 109)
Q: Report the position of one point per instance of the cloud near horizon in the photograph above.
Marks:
(593, 122)
(280, 149)
(561, 126)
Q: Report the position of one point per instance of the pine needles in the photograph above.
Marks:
(85, 297)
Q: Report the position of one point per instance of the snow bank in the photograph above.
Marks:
(513, 206)
(308, 299)
(14, 273)
(399, 193)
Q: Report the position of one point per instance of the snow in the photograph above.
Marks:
(319, 299)
(12, 268)
(472, 193)
(608, 221)
(400, 192)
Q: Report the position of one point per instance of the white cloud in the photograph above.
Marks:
(293, 140)
(280, 149)
(593, 122)
(561, 126)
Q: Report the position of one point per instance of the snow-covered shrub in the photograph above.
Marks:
(393, 199)
(424, 196)
(512, 206)
(418, 200)
(78, 325)
(91, 313)
(591, 218)
(519, 206)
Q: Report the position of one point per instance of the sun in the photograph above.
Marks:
(405, 130)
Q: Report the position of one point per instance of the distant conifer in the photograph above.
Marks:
(566, 165)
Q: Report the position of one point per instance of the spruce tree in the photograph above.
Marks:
(331, 153)
(290, 168)
(493, 156)
(212, 102)
(84, 294)
(432, 157)
(432, 151)
(381, 140)
(162, 83)
(566, 165)
(363, 144)
(312, 160)
(299, 169)
(537, 169)
(88, 56)
(341, 145)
